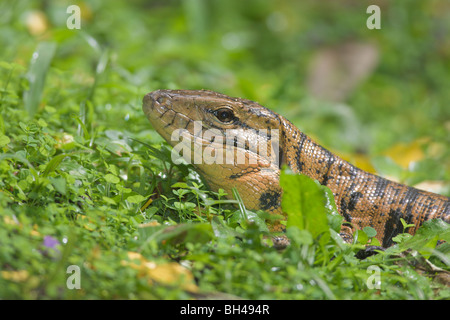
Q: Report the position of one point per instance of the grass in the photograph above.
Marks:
(79, 160)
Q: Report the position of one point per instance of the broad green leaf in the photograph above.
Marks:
(370, 232)
(5, 65)
(304, 201)
(11, 65)
(59, 184)
(136, 198)
(112, 178)
(4, 140)
(361, 237)
(334, 218)
(184, 205)
(221, 229)
(180, 185)
(108, 200)
(257, 220)
(300, 237)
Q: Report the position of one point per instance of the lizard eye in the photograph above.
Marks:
(224, 115)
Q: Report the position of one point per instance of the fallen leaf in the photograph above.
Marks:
(149, 224)
(170, 273)
(36, 22)
(359, 160)
(16, 276)
(88, 223)
(406, 153)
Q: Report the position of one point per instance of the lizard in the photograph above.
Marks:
(362, 198)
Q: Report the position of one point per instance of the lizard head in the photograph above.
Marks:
(205, 116)
(230, 141)
(177, 108)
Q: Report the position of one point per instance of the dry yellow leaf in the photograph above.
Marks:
(10, 221)
(86, 11)
(149, 224)
(147, 203)
(16, 276)
(170, 273)
(66, 141)
(36, 22)
(406, 153)
(35, 233)
(89, 223)
(360, 160)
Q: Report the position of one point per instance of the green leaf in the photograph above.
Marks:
(59, 184)
(39, 65)
(5, 65)
(304, 201)
(300, 237)
(11, 65)
(334, 218)
(108, 200)
(401, 238)
(4, 140)
(136, 198)
(184, 205)
(181, 233)
(82, 126)
(427, 236)
(180, 185)
(370, 232)
(259, 221)
(111, 178)
(405, 225)
(361, 237)
(221, 229)
(53, 164)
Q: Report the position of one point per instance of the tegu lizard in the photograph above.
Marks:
(225, 137)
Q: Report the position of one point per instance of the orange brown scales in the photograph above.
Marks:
(363, 199)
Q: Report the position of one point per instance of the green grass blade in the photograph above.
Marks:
(39, 65)
(53, 164)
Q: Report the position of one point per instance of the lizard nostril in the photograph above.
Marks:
(160, 99)
(163, 99)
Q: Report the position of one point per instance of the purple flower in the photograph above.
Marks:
(50, 244)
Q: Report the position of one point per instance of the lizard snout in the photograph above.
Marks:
(156, 101)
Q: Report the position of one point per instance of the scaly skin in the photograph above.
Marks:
(362, 198)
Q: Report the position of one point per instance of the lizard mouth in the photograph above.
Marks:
(156, 104)
(166, 115)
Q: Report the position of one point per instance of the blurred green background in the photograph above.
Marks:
(356, 90)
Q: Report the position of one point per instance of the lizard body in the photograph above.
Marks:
(362, 198)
